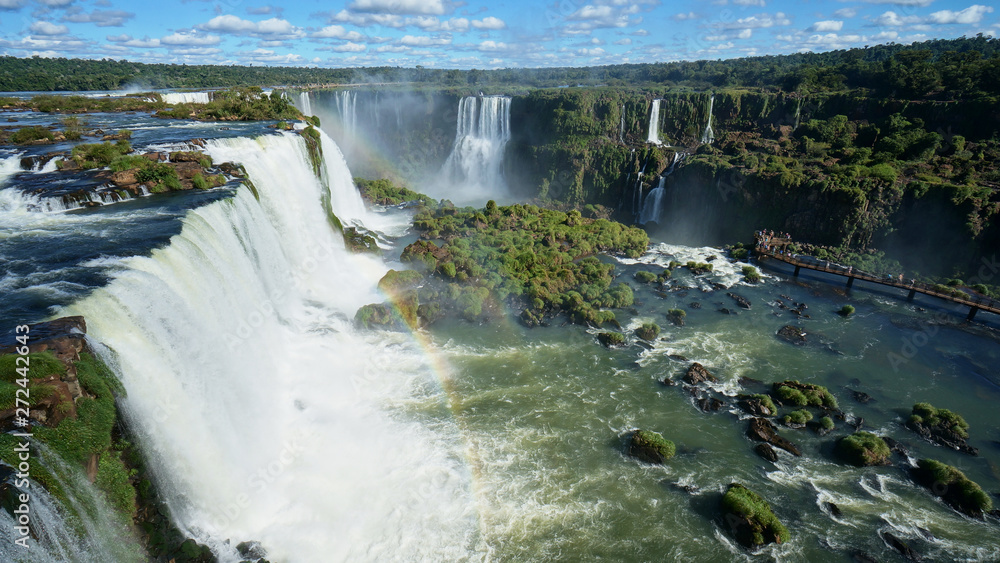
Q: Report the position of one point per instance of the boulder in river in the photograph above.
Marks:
(762, 430)
(697, 374)
(650, 447)
(792, 334)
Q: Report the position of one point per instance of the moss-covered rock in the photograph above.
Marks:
(797, 418)
(611, 339)
(648, 331)
(803, 394)
(677, 316)
(750, 519)
(953, 487)
(942, 426)
(642, 276)
(758, 404)
(650, 446)
(863, 449)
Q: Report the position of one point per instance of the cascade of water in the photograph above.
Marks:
(708, 135)
(266, 414)
(652, 205)
(347, 108)
(476, 159)
(798, 113)
(621, 127)
(654, 124)
(305, 104)
(185, 97)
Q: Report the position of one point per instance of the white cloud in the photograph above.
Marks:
(918, 3)
(423, 41)
(269, 56)
(687, 16)
(55, 3)
(745, 34)
(271, 28)
(12, 5)
(972, 14)
(758, 21)
(892, 19)
(47, 28)
(261, 11)
(190, 40)
(846, 12)
(489, 22)
(429, 7)
(827, 25)
(101, 18)
(492, 46)
(337, 32)
(749, 3)
(349, 47)
(625, 41)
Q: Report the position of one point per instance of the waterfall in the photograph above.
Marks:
(652, 206)
(265, 414)
(708, 136)
(305, 104)
(654, 124)
(475, 163)
(185, 97)
(798, 114)
(347, 101)
(621, 127)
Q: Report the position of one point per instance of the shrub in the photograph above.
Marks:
(99, 155)
(643, 276)
(27, 135)
(863, 449)
(939, 419)
(803, 394)
(755, 523)
(611, 339)
(826, 423)
(648, 331)
(954, 487)
(676, 316)
(846, 311)
(801, 416)
(750, 274)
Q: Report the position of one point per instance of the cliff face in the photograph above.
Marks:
(834, 169)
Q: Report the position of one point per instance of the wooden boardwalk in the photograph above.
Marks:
(777, 249)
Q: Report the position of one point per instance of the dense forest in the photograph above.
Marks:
(940, 69)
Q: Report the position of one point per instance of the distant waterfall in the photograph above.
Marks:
(621, 127)
(798, 114)
(481, 136)
(654, 124)
(652, 204)
(172, 98)
(304, 105)
(347, 102)
(708, 136)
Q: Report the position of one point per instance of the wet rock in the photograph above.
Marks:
(834, 509)
(251, 550)
(668, 382)
(792, 334)
(697, 374)
(726, 311)
(895, 446)
(862, 557)
(695, 305)
(900, 546)
(863, 398)
(762, 430)
(678, 357)
(710, 404)
(740, 300)
(747, 381)
(942, 435)
(767, 452)
(755, 406)
(650, 447)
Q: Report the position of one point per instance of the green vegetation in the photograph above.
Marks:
(240, 103)
(384, 192)
(395, 281)
(651, 446)
(28, 135)
(750, 274)
(954, 487)
(648, 331)
(162, 175)
(642, 276)
(803, 394)
(826, 423)
(41, 365)
(766, 402)
(939, 420)
(863, 449)
(846, 311)
(203, 182)
(611, 339)
(751, 519)
(801, 416)
(541, 261)
(99, 155)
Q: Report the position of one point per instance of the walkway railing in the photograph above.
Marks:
(777, 248)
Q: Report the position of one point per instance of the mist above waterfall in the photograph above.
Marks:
(473, 171)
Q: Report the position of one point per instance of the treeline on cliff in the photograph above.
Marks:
(963, 67)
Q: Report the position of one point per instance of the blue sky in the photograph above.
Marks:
(472, 33)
